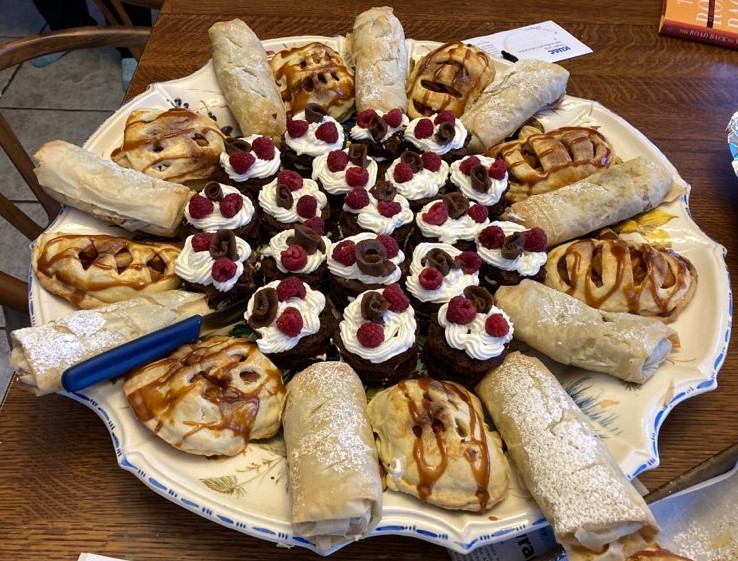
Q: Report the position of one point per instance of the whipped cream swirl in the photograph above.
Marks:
(526, 264)
(197, 266)
(335, 182)
(369, 217)
(463, 182)
(453, 283)
(361, 133)
(278, 244)
(268, 201)
(423, 184)
(260, 169)
(430, 144)
(353, 272)
(216, 221)
(272, 340)
(308, 143)
(452, 230)
(399, 332)
(473, 338)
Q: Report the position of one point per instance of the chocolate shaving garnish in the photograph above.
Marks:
(371, 258)
(413, 160)
(479, 178)
(383, 191)
(480, 297)
(357, 155)
(314, 113)
(439, 259)
(223, 244)
(445, 133)
(283, 196)
(513, 246)
(213, 191)
(456, 204)
(265, 308)
(308, 238)
(373, 306)
(235, 144)
(377, 127)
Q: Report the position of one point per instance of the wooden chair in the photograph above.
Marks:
(115, 14)
(13, 291)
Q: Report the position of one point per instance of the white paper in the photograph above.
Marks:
(521, 548)
(95, 557)
(545, 41)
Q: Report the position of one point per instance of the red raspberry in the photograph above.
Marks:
(294, 258)
(393, 118)
(492, 237)
(468, 163)
(398, 301)
(478, 213)
(241, 161)
(291, 179)
(496, 325)
(345, 252)
(370, 335)
(431, 161)
(445, 116)
(535, 240)
(390, 244)
(201, 241)
(424, 128)
(498, 169)
(200, 206)
(223, 269)
(403, 172)
(430, 278)
(337, 160)
(363, 118)
(307, 206)
(296, 129)
(389, 208)
(460, 310)
(327, 132)
(316, 224)
(437, 214)
(357, 198)
(263, 147)
(231, 204)
(469, 262)
(357, 177)
(290, 287)
(290, 322)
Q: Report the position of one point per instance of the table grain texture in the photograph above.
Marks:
(61, 492)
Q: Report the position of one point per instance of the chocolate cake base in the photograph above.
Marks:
(492, 278)
(385, 373)
(418, 238)
(348, 225)
(270, 226)
(341, 291)
(245, 286)
(317, 280)
(250, 188)
(301, 163)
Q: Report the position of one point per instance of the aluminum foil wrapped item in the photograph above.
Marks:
(732, 131)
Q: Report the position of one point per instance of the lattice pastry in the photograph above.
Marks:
(94, 270)
(314, 73)
(177, 145)
(449, 77)
(539, 162)
(209, 398)
(612, 274)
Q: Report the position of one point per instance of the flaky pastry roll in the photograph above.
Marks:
(596, 514)
(381, 60)
(246, 80)
(569, 331)
(334, 482)
(600, 200)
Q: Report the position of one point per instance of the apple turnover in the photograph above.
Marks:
(314, 73)
(434, 444)
(612, 274)
(539, 162)
(210, 398)
(177, 145)
(94, 270)
(449, 77)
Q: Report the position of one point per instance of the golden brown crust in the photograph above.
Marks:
(449, 77)
(656, 553)
(94, 270)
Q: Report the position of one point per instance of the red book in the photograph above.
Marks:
(706, 21)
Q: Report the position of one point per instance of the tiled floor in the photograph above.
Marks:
(68, 99)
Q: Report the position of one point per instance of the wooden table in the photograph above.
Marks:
(60, 490)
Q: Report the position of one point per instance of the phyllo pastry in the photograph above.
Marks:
(434, 444)
(595, 513)
(94, 270)
(176, 145)
(334, 482)
(209, 398)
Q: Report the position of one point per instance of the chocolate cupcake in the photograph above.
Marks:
(382, 133)
(419, 178)
(248, 163)
(301, 252)
(483, 180)
(466, 337)
(309, 134)
(452, 220)
(293, 323)
(377, 336)
(441, 133)
(222, 207)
